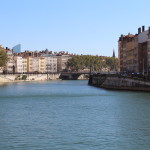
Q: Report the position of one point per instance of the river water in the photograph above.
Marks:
(70, 115)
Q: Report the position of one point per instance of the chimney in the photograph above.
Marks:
(143, 28)
(139, 30)
(121, 37)
(149, 30)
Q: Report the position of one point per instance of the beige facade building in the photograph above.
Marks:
(29, 64)
(50, 63)
(24, 65)
(134, 52)
(10, 63)
(32, 64)
(42, 65)
(35, 62)
(18, 64)
(61, 62)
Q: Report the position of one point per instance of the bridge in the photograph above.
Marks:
(74, 75)
(77, 75)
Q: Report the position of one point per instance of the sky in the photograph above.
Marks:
(77, 26)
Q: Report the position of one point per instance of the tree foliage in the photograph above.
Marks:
(3, 57)
(81, 62)
(112, 63)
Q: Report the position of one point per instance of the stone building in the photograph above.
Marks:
(24, 64)
(134, 52)
(32, 64)
(35, 62)
(10, 63)
(50, 63)
(18, 64)
(42, 66)
(62, 61)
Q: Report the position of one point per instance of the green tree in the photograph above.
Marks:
(80, 62)
(24, 77)
(3, 57)
(112, 63)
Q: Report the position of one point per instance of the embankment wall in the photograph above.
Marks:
(30, 77)
(119, 83)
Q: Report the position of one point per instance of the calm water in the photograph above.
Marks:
(70, 115)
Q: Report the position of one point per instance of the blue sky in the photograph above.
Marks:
(77, 26)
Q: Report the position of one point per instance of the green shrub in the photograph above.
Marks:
(24, 77)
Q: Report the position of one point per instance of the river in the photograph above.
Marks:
(70, 115)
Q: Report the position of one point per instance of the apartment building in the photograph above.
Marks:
(128, 53)
(134, 52)
(50, 62)
(35, 64)
(18, 64)
(32, 64)
(24, 65)
(62, 61)
(10, 63)
(42, 65)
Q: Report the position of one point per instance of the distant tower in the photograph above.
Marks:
(17, 48)
(113, 53)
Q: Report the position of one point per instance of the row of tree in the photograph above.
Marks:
(3, 57)
(81, 62)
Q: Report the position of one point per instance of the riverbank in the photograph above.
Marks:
(28, 77)
(39, 77)
(119, 83)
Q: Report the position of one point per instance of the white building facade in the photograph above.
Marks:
(18, 64)
(50, 63)
(10, 63)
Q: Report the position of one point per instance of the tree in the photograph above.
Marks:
(3, 57)
(80, 62)
(112, 63)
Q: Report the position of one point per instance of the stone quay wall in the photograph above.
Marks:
(29, 77)
(118, 83)
(40, 77)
